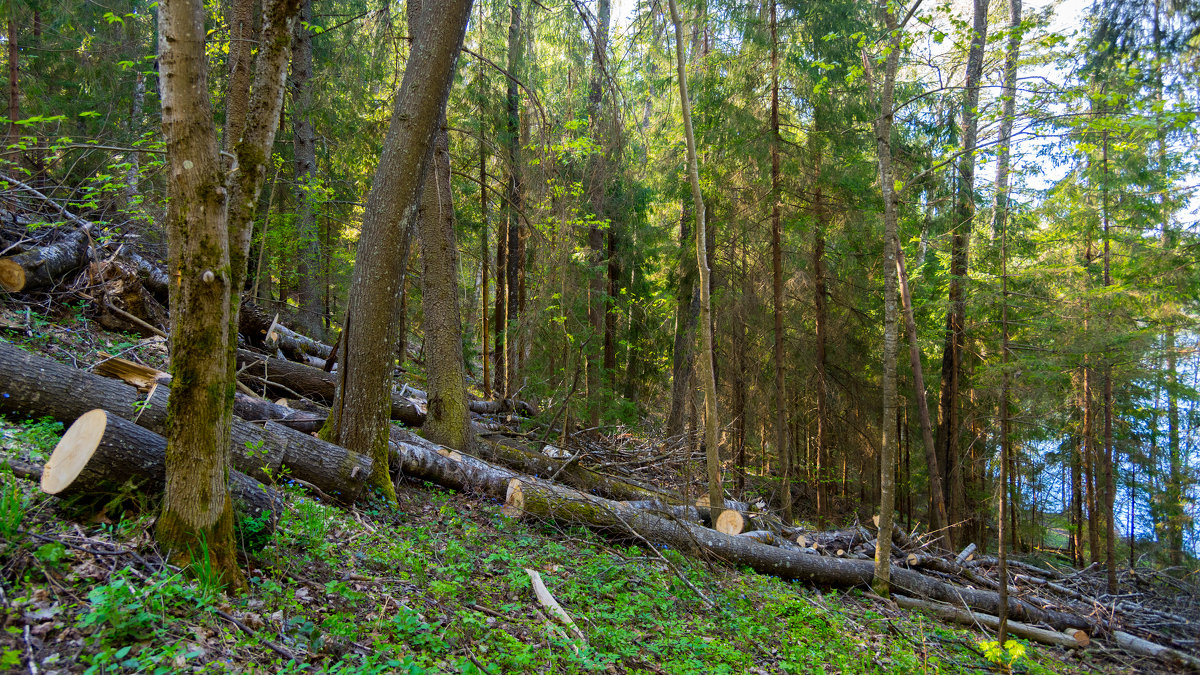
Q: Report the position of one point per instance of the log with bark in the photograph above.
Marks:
(1072, 638)
(43, 266)
(510, 454)
(262, 330)
(34, 386)
(101, 451)
(287, 378)
(534, 497)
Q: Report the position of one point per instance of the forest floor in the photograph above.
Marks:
(436, 584)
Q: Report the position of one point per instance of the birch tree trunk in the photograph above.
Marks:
(716, 493)
(359, 414)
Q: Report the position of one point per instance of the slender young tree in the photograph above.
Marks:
(887, 185)
(596, 186)
(781, 413)
(359, 414)
(716, 492)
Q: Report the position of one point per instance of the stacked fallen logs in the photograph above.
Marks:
(50, 388)
(38, 387)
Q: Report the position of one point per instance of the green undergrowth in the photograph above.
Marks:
(436, 584)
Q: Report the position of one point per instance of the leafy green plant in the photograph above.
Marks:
(1004, 657)
(13, 504)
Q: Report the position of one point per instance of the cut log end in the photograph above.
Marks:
(514, 500)
(730, 522)
(12, 276)
(74, 451)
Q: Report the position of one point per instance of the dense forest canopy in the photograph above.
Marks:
(1039, 168)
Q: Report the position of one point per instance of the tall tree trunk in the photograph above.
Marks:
(1089, 465)
(781, 414)
(687, 313)
(1110, 494)
(739, 377)
(514, 253)
(820, 319)
(304, 146)
(483, 261)
(887, 455)
(938, 518)
(716, 493)
(1000, 224)
(448, 423)
(596, 185)
(196, 509)
(241, 73)
(359, 413)
(1077, 501)
(500, 317)
(208, 244)
(964, 213)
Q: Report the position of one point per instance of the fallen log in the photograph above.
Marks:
(43, 266)
(287, 378)
(1071, 638)
(262, 330)
(536, 464)
(534, 497)
(1137, 645)
(101, 451)
(270, 451)
(34, 386)
(688, 513)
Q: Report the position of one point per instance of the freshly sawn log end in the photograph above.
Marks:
(74, 451)
(12, 276)
(730, 522)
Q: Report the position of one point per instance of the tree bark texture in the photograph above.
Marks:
(359, 412)
(197, 510)
(38, 387)
(42, 267)
(447, 422)
(781, 413)
(125, 452)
